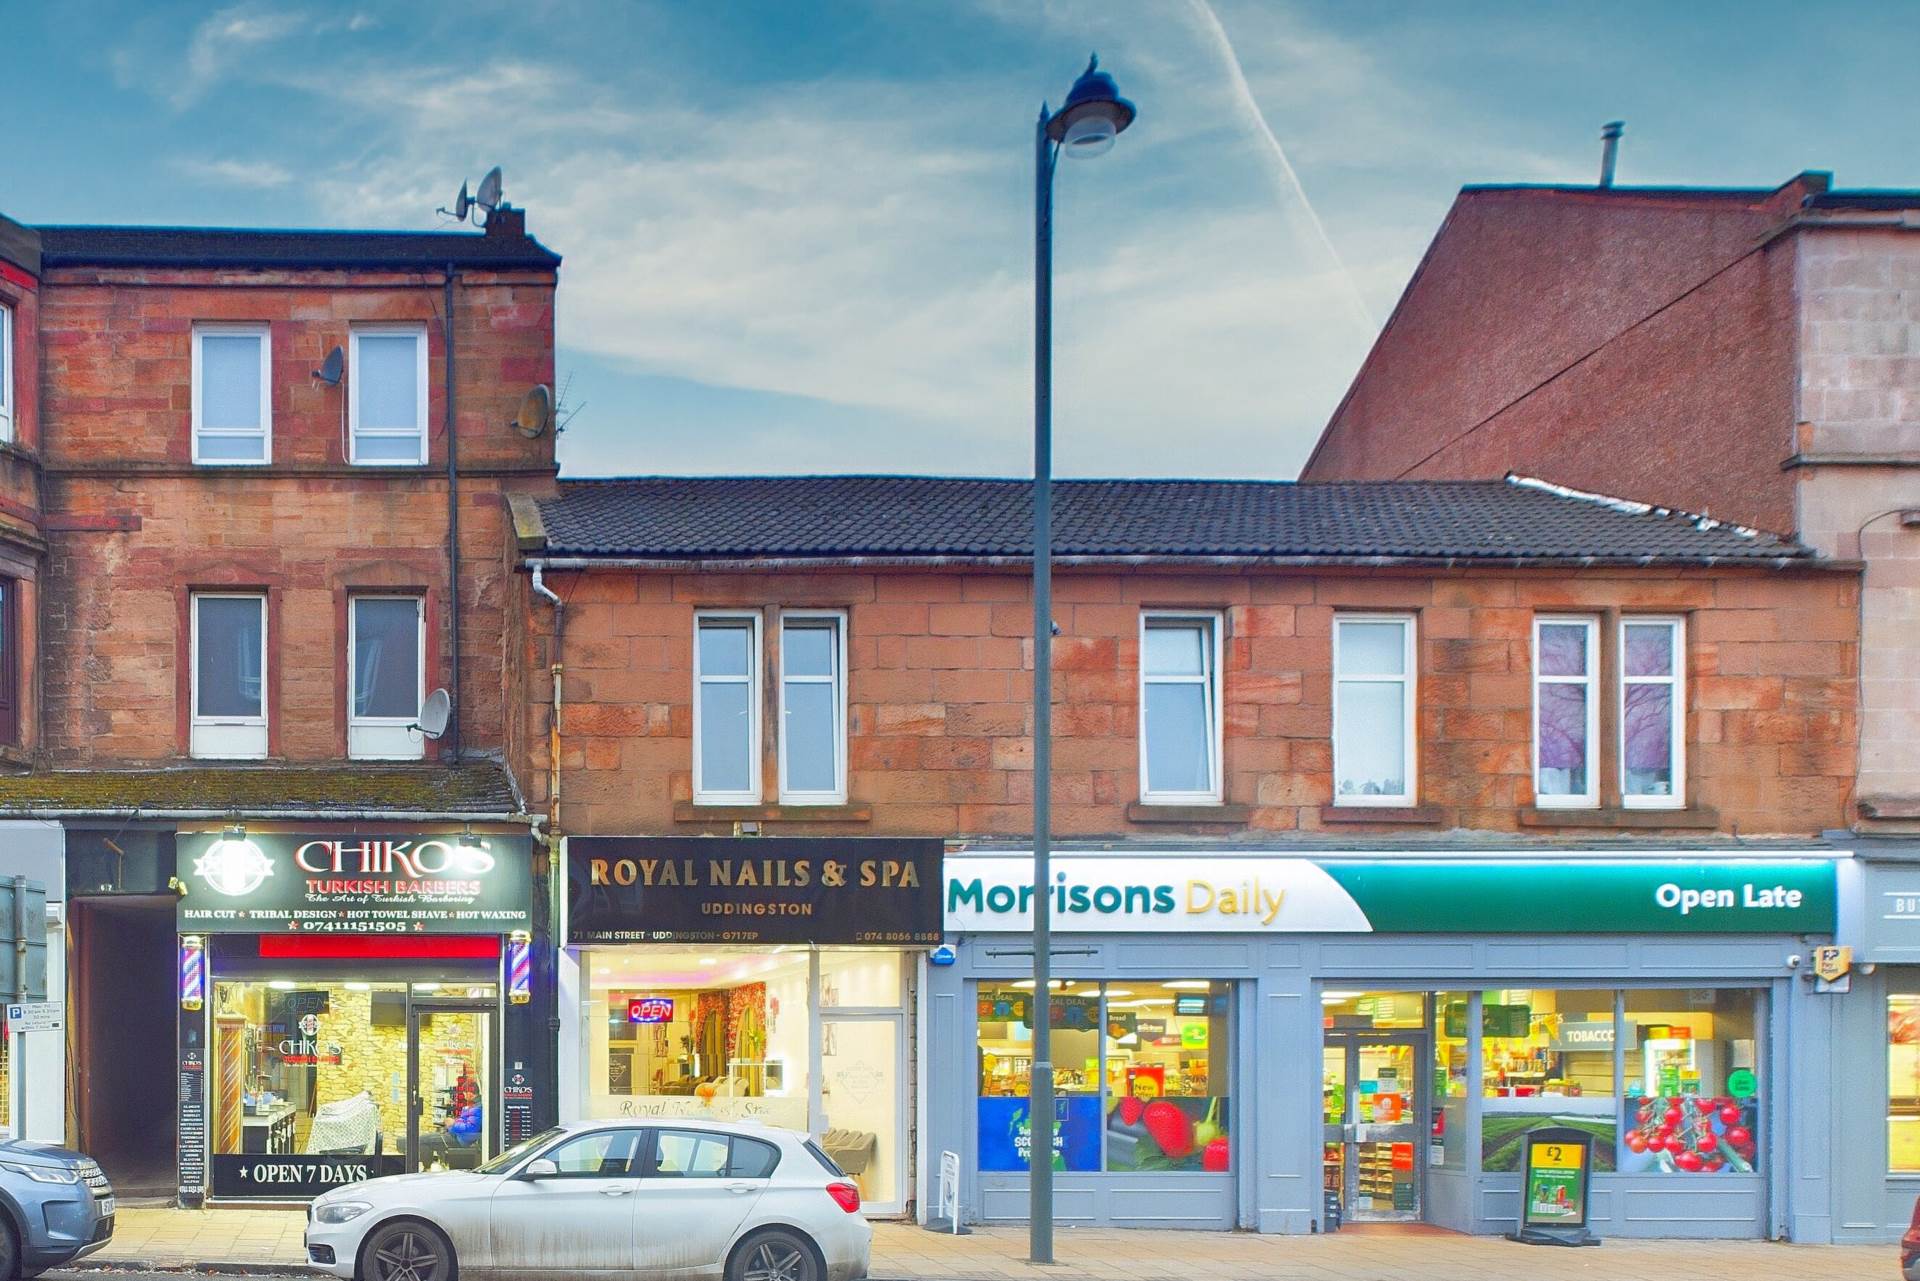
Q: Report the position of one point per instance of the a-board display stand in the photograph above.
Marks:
(1559, 1172)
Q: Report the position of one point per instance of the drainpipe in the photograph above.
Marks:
(553, 729)
(556, 872)
(453, 534)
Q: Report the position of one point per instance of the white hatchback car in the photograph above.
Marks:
(663, 1200)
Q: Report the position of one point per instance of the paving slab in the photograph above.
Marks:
(269, 1242)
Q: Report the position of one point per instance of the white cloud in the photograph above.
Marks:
(253, 175)
(222, 41)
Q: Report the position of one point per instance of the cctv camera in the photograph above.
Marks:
(1793, 962)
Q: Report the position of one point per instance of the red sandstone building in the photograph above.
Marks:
(251, 512)
(1395, 819)
(1747, 352)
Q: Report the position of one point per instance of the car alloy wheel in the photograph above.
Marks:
(407, 1252)
(776, 1256)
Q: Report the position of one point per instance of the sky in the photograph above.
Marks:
(798, 237)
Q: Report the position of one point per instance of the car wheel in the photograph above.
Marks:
(406, 1251)
(776, 1255)
(9, 1252)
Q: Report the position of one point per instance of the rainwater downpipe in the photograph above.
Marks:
(553, 728)
(453, 535)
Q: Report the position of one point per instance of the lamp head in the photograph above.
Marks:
(1092, 116)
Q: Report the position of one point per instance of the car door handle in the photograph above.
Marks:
(616, 1190)
(739, 1189)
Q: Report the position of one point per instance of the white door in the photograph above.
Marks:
(862, 1097)
(698, 1189)
(578, 1223)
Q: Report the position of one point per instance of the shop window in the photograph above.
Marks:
(1141, 1076)
(1180, 709)
(813, 708)
(1565, 712)
(604, 1154)
(232, 395)
(229, 666)
(6, 372)
(719, 1033)
(386, 658)
(1546, 1059)
(1653, 713)
(1452, 1082)
(726, 709)
(387, 395)
(1903, 1083)
(1691, 1063)
(1373, 710)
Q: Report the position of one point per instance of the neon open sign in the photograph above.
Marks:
(650, 1009)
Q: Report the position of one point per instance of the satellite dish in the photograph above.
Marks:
(332, 368)
(488, 197)
(462, 204)
(434, 714)
(535, 412)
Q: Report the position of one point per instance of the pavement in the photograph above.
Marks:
(268, 1243)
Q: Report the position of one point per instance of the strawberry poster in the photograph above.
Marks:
(1169, 1134)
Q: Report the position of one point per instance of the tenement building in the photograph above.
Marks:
(1394, 821)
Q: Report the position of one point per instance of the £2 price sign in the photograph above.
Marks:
(1558, 1167)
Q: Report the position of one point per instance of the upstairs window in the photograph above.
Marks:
(386, 663)
(1180, 709)
(813, 708)
(726, 709)
(387, 395)
(1653, 713)
(229, 666)
(1566, 723)
(1373, 710)
(6, 372)
(232, 395)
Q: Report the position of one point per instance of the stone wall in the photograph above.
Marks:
(941, 681)
(1859, 423)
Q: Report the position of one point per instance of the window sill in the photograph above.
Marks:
(1890, 808)
(1693, 816)
(1233, 815)
(855, 812)
(1410, 815)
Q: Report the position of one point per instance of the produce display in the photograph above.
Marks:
(1691, 1134)
(1168, 1134)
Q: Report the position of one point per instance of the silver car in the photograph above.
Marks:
(672, 1200)
(55, 1207)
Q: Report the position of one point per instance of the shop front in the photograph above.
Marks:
(1290, 1044)
(763, 978)
(351, 1004)
(1875, 1042)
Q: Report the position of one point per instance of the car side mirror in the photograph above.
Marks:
(539, 1168)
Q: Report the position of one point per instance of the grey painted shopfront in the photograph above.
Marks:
(1875, 1047)
(1281, 1043)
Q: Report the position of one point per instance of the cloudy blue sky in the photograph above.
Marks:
(798, 236)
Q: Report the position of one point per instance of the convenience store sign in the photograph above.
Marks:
(1171, 892)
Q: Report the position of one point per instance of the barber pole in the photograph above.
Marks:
(519, 967)
(193, 972)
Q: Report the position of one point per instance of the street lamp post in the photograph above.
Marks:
(1086, 125)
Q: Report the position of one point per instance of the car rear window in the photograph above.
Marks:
(752, 1159)
(826, 1162)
